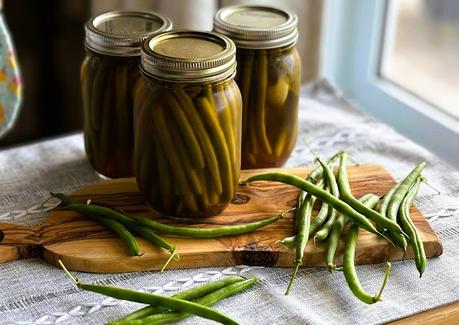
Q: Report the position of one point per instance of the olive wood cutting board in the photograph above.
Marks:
(84, 245)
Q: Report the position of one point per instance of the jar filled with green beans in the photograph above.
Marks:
(187, 115)
(268, 75)
(108, 75)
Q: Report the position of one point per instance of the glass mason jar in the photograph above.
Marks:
(108, 75)
(187, 115)
(269, 76)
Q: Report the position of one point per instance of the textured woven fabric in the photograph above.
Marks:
(33, 292)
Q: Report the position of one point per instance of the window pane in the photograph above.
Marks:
(421, 50)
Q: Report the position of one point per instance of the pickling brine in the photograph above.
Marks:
(109, 73)
(268, 75)
(188, 124)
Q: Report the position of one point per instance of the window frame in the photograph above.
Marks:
(351, 51)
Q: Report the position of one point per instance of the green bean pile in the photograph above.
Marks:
(339, 207)
(163, 309)
(269, 81)
(107, 85)
(187, 146)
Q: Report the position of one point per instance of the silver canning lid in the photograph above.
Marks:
(189, 56)
(120, 33)
(257, 27)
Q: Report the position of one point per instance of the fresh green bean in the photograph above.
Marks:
(402, 188)
(149, 235)
(208, 300)
(370, 200)
(299, 205)
(317, 173)
(385, 202)
(409, 227)
(322, 195)
(323, 233)
(319, 220)
(190, 294)
(350, 273)
(121, 231)
(303, 215)
(93, 210)
(207, 232)
(346, 196)
(151, 299)
(289, 241)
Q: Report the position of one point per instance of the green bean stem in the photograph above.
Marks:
(409, 227)
(151, 299)
(350, 273)
(207, 232)
(189, 294)
(322, 195)
(370, 200)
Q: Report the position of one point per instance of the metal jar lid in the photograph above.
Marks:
(189, 56)
(257, 27)
(120, 33)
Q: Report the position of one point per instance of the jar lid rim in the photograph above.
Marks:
(257, 27)
(125, 41)
(209, 66)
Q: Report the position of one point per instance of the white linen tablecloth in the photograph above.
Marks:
(33, 292)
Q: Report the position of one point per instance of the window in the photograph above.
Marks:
(398, 60)
(421, 50)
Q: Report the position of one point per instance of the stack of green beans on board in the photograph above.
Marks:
(268, 75)
(109, 74)
(107, 85)
(339, 208)
(188, 127)
(269, 81)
